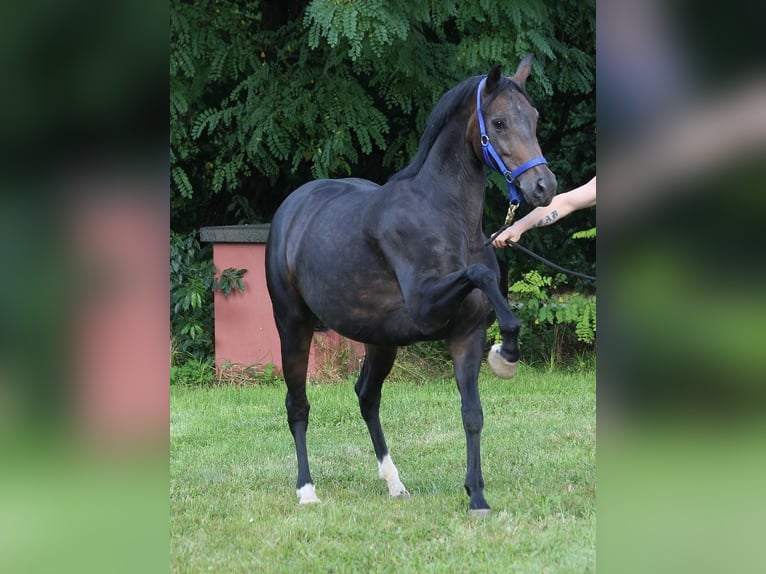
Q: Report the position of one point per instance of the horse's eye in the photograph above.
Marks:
(498, 124)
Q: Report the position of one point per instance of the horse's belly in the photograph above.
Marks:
(365, 306)
(393, 329)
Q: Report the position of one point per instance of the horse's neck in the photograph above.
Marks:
(452, 178)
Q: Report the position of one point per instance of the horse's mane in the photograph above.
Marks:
(445, 108)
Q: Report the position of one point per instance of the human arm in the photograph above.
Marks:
(560, 206)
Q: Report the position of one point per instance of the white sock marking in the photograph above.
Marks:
(307, 494)
(387, 471)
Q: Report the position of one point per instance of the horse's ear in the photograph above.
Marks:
(522, 72)
(493, 78)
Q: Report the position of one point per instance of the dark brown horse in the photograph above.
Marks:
(403, 262)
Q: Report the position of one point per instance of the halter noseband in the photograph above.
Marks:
(493, 159)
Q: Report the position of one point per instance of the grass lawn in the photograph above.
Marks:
(233, 506)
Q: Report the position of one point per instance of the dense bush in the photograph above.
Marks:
(192, 275)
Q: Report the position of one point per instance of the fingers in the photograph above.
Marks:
(502, 239)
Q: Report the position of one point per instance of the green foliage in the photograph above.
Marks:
(373, 25)
(229, 279)
(194, 372)
(265, 96)
(191, 301)
(537, 304)
(585, 234)
(192, 282)
(555, 326)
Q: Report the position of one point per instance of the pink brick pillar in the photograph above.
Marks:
(245, 333)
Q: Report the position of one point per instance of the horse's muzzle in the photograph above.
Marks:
(545, 186)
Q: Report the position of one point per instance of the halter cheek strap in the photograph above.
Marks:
(493, 159)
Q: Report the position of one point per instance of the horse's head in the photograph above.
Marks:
(506, 135)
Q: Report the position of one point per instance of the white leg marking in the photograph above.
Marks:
(387, 471)
(306, 494)
(502, 368)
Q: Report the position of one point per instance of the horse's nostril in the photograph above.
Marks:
(546, 187)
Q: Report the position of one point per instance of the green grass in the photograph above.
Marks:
(233, 506)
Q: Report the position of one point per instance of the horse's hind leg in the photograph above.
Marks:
(295, 337)
(377, 364)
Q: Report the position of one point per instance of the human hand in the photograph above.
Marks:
(512, 233)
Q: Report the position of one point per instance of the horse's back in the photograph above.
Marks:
(308, 200)
(322, 202)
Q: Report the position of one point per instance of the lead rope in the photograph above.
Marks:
(511, 213)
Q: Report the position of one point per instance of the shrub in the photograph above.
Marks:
(556, 326)
(192, 275)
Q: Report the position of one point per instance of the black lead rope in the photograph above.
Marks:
(536, 256)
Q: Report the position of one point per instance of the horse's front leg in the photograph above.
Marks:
(466, 354)
(503, 357)
(432, 303)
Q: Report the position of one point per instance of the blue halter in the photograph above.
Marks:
(493, 159)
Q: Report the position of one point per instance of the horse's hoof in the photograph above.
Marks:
(502, 368)
(480, 512)
(307, 494)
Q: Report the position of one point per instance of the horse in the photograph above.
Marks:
(389, 265)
